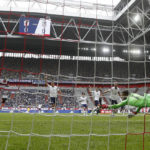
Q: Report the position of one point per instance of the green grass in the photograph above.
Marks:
(58, 125)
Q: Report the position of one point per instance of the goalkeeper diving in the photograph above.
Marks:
(132, 99)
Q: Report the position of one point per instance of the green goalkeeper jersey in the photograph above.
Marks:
(134, 100)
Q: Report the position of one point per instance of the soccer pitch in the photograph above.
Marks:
(104, 132)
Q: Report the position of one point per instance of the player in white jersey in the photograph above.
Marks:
(115, 94)
(97, 96)
(84, 103)
(39, 108)
(97, 99)
(53, 92)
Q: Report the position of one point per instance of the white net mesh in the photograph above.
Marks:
(80, 46)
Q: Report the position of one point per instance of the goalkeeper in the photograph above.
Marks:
(132, 99)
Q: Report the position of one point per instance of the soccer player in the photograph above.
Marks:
(84, 102)
(115, 94)
(96, 93)
(132, 99)
(53, 91)
(39, 108)
(97, 99)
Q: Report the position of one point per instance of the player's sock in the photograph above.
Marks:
(83, 112)
(98, 110)
(91, 112)
(53, 110)
(86, 112)
(94, 110)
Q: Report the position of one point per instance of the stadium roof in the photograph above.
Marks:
(97, 9)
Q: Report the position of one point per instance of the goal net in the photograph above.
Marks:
(80, 46)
